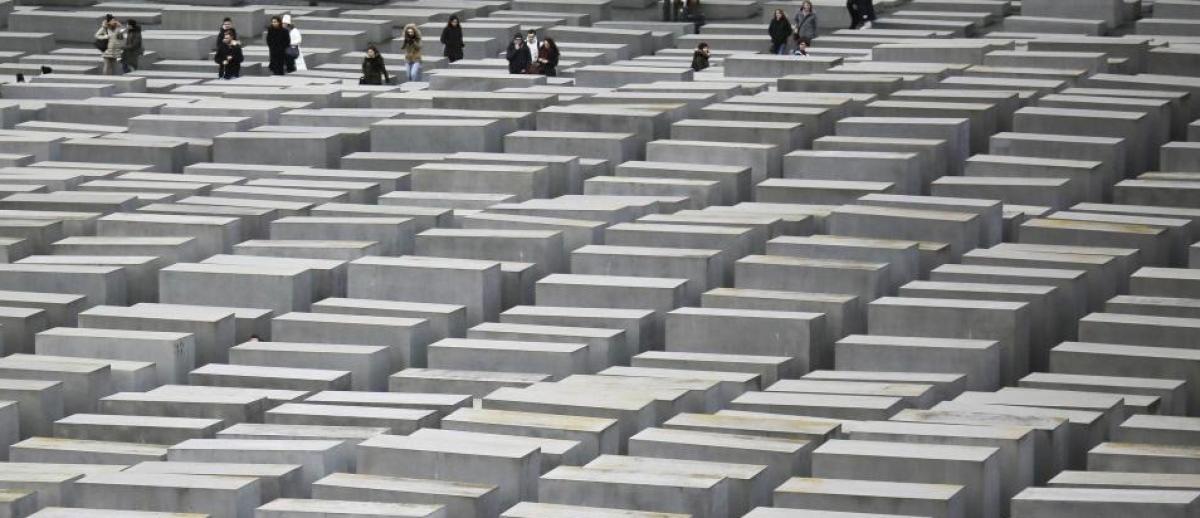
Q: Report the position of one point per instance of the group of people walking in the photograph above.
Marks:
(526, 55)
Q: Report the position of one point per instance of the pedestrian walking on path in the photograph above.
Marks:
(452, 40)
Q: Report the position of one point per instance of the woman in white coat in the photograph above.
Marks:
(295, 58)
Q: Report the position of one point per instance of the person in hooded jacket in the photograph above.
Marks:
(700, 57)
(131, 55)
(452, 40)
(412, 51)
(779, 30)
(517, 55)
(277, 44)
(229, 58)
(374, 72)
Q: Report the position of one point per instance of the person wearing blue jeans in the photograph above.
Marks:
(780, 29)
(412, 52)
(414, 70)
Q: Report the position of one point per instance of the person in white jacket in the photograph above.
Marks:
(531, 43)
(295, 57)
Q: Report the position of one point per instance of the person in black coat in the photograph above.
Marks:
(226, 26)
(700, 57)
(132, 53)
(862, 13)
(518, 56)
(229, 58)
(548, 55)
(779, 30)
(278, 41)
(452, 40)
(374, 73)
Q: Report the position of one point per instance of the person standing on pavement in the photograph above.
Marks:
(547, 62)
(229, 58)
(113, 36)
(862, 13)
(452, 40)
(131, 55)
(779, 30)
(412, 52)
(295, 57)
(374, 71)
(226, 26)
(531, 43)
(517, 55)
(806, 24)
(277, 45)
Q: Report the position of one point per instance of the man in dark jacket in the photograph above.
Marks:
(518, 56)
(226, 26)
(229, 58)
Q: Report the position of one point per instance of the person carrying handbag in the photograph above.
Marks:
(295, 58)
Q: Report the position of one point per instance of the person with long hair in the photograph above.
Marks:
(374, 72)
(412, 52)
(548, 55)
(277, 46)
(806, 24)
(779, 29)
(452, 40)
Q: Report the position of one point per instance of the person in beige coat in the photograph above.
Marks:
(412, 52)
(111, 32)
